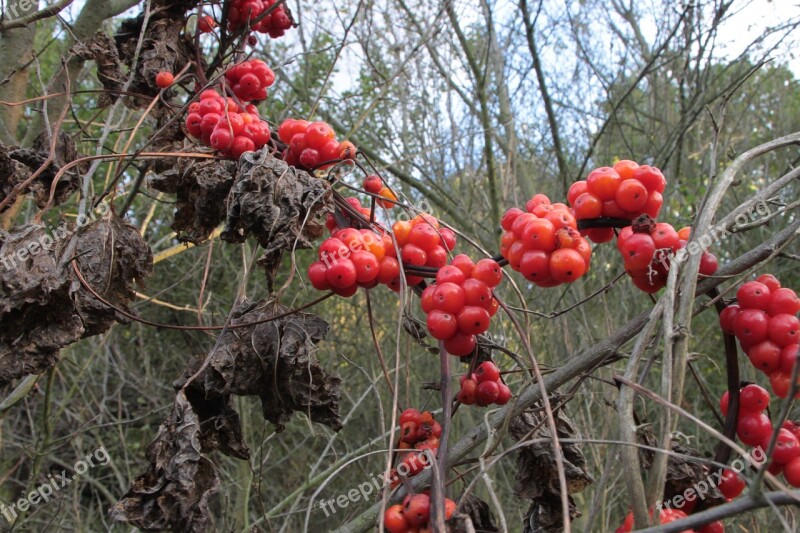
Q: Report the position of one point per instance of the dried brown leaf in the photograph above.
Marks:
(102, 50)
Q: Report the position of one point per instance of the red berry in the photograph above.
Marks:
(651, 178)
(708, 264)
(631, 196)
(566, 265)
(784, 329)
(504, 395)
(535, 266)
(449, 297)
(242, 144)
(442, 324)
(787, 446)
(713, 527)
(448, 238)
(588, 205)
(789, 358)
(460, 344)
(476, 292)
(753, 295)
(486, 393)
(417, 510)
(394, 521)
(367, 266)
(509, 217)
(539, 234)
(464, 263)
(437, 257)
(791, 472)
(638, 251)
(342, 274)
(221, 139)
(765, 356)
(410, 415)
(164, 79)
(732, 484)
(488, 271)
(473, 320)
(425, 236)
(319, 133)
(770, 281)
(727, 317)
(487, 371)
(783, 301)
(317, 275)
(467, 393)
(373, 184)
(575, 190)
(753, 398)
(752, 427)
(751, 326)
(723, 403)
(206, 24)
(603, 183)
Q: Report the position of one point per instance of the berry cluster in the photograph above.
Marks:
(423, 243)
(625, 191)
(413, 514)
(355, 203)
(543, 244)
(647, 248)
(418, 432)
(249, 80)
(754, 428)
(460, 304)
(244, 12)
(484, 387)
(225, 126)
(374, 184)
(353, 258)
(312, 143)
(765, 322)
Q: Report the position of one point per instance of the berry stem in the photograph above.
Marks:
(723, 451)
(439, 472)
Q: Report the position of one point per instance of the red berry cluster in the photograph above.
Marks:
(765, 322)
(754, 428)
(330, 221)
(423, 243)
(647, 248)
(418, 431)
(353, 258)
(544, 244)
(484, 387)
(460, 304)
(249, 80)
(244, 12)
(625, 191)
(312, 143)
(223, 125)
(413, 514)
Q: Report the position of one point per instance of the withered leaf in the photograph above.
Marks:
(174, 493)
(43, 307)
(201, 189)
(35, 157)
(537, 471)
(164, 46)
(278, 204)
(274, 361)
(479, 515)
(103, 52)
(683, 474)
(12, 173)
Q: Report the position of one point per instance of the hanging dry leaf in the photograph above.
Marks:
(43, 307)
(274, 361)
(278, 204)
(201, 189)
(174, 493)
(537, 471)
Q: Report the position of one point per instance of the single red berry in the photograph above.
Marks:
(765, 356)
(449, 297)
(727, 317)
(394, 521)
(753, 295)
(460, 344)
(367, 266)
(724, 400)
(789, 358)
(791, 472)
(504, 395)
(418, 510)
(784, 329)
(753, 398)
(752, 427)
(467, 393)
(770, 281)
(410, 414)
(342, 274)
(451, 274)
(787, 446)
(476, 292)
(566, 265)
(242, 144)
(732, 484)
(164, 79)
(638, 251)
(442, 324)
(631, 196)
(487, 371)
(751, 326)
(488, 271)
(486, 393)
(782, 301)
(603, 183)
(473, 320)
(318, 276)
